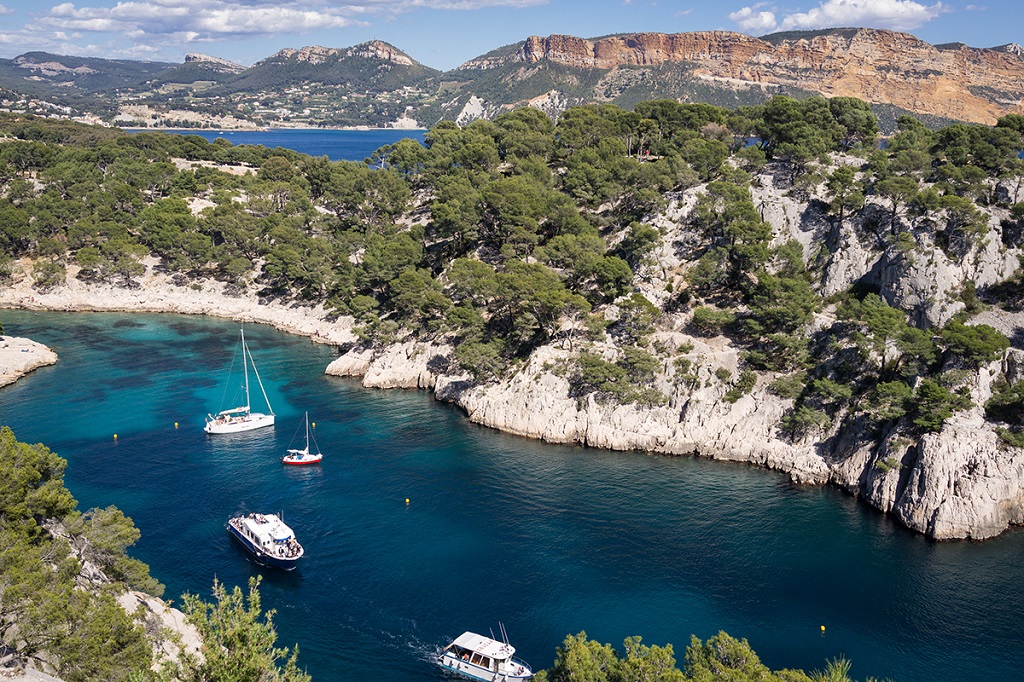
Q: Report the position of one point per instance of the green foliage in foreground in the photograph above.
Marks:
(239, 640)
(84, 634)
(720, 658)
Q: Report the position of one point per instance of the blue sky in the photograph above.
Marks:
(444, 33)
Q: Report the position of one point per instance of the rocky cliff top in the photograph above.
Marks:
(317, 54)
(877, 66)
(376, 49)
(216, 62)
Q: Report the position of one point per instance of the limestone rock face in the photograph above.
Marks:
(377, 49)
(402, 365)
(317, 54)
(928, 281)
(536, 403)
(958, 483)
(20, 356)
(877, 66)
(214, 62)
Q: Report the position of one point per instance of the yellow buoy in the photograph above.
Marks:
(175, 424)
(115, 436)
(314, 425)
(407, 500)
(823, 628)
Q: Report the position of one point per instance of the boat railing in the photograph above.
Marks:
(516, 663)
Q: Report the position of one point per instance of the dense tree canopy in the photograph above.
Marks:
(505, 234)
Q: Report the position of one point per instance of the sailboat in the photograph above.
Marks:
(242, 418)
(303, 456)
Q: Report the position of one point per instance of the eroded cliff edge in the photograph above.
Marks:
(959, 483)
(962, 481)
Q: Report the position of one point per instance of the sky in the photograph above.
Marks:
(445, 33)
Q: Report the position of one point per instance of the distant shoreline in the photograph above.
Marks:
(273, 129)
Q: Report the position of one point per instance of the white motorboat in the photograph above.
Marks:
(242, 418)
(268, 539)
(483, 658)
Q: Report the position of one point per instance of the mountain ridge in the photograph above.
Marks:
(375, 83)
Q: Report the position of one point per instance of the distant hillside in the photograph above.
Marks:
(373, 66)
(85, 75)
(376, 84)
(371, 84)
(199, 72)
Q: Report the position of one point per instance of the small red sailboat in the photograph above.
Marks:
(304, 456)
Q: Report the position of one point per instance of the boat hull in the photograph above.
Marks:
(475, 672)
(261, 557)
(302, 460)
(239, 424)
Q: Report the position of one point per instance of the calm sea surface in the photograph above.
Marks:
(548, 540)
(337, 145)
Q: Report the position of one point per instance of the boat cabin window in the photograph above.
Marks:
(459, 652)
(481, 660)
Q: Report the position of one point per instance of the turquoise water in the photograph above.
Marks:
(337, 145)
(548, 540)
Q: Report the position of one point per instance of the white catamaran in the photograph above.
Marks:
(242, 418)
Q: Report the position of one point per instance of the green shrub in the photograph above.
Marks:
(745, 382)
(482, 360)
(709, 321)
(933, 404)
(1011, 438)
(803, 419)
(790, 386)
(888, 464)
(1006, 403)
(831, 391)
(977, 344)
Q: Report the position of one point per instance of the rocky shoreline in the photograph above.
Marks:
(958, 484)
(20, 356)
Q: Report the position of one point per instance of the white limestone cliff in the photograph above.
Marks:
(20, 356)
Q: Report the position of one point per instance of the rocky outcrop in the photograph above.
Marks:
(50, 68)
(317, 54)
(877, 66)
(217, 63)
(401, 365)
(960, 483)
(20, 356)
(377, 49)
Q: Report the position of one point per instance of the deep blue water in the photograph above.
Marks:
(337, 145)
(548, 540)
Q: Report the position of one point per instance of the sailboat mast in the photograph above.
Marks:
(307, 432)
(245, 368)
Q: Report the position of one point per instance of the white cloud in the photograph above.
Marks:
(5, 10)
(897, 15)
(212, 19)
(755, 22)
